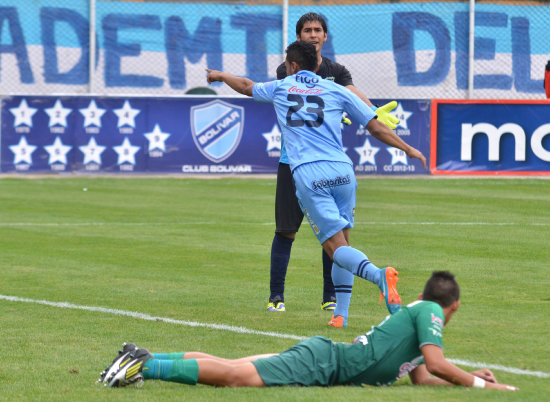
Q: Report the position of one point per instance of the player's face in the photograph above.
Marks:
(313, 32)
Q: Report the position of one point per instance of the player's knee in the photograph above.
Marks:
(290, 236)
(235, 377)
(244, 375)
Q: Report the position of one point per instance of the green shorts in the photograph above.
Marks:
(313, 361)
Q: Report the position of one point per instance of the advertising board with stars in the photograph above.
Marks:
(205, 135)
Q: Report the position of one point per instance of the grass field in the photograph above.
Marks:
(197, 250)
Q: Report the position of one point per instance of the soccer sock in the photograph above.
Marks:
(280, 255)
(343, 284)
(328, 285)
(168, 356)
(153, 367)
(357, 263)
(182, 371)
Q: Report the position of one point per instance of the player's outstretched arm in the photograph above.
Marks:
(381, 132)
(421, 376)
(240, 84)
(440, 367)
(383, 112)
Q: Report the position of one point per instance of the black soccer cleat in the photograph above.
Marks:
(129, 370)
(109, 371)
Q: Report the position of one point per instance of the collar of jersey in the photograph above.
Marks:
(307, 72)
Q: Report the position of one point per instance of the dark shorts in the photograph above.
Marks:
(288, 215)
(312, 362)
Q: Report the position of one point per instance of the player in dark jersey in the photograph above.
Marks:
(311, 27)
(408, 342)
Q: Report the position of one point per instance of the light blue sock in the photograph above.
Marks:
(357, 263)
(343, 284)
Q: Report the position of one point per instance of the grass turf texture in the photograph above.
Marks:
(198, 250)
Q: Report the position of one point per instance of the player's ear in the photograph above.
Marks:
(420, 296)
(295, 67)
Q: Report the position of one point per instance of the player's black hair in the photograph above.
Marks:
(441, 288)
(303, 53)
(310, 17)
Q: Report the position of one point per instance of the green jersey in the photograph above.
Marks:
(391, 350)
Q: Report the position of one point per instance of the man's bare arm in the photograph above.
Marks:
(381, 132)
(240, 84)
(440, 367)
(362, 96)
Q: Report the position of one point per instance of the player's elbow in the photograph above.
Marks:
(435, 368)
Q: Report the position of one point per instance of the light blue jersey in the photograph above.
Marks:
(309, 111)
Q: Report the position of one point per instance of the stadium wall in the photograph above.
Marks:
(209, 134)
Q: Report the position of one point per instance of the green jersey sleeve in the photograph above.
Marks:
(429, 324)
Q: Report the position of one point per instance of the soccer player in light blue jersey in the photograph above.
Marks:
(309, 111)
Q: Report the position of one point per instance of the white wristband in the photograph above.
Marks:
(478, 382)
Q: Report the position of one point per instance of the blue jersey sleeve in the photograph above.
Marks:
(357, 109)
(264, 91)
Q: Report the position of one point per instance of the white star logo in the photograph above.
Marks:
(398, 156)
(367, 153)
(92, 115)
(57, 151)
(126, 115)
(157, 139)
(402, 115)
(126, 152)
(22, 151)
(23, 114)
(92, 152)
(273, 138)
(58, 114)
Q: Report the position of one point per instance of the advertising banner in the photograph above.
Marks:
(176, 135)
(371, 156)
(490, 137)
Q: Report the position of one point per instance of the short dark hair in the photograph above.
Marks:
(303, 53)
(310, 17)
(441, 288)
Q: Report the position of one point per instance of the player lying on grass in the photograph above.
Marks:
(309, 110)
(408, 342)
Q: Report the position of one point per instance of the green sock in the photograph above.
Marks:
(182, 371)
(168, 356)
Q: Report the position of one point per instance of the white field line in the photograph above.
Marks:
(68, 224)
(241, 330)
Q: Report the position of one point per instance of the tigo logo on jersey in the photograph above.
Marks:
(310, 82)
(217, 129)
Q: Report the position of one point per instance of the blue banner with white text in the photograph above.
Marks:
(491, 137)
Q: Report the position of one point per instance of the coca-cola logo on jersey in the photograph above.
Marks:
(313, 91)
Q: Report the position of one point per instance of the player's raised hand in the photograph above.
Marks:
(213, 75)
(384, 115)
